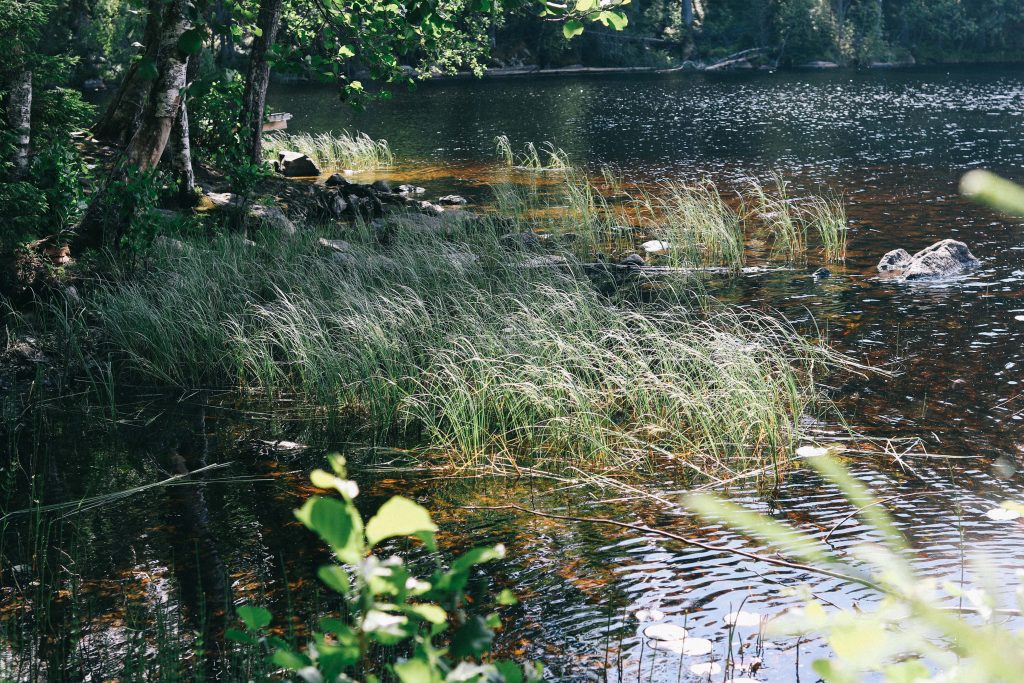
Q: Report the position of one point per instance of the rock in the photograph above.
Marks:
(297, 165)
(337, 180)
(944, 259)
(819, 65)
(271, 216)
(635, 260)
(656, 247)
(336, 205)
(431, 209)
(821, 274)
(452, 200)
(896, 260)
(265, 215)
(340, 246)
(381, 186)
(410, 189)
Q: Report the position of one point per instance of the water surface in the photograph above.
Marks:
(894, 142)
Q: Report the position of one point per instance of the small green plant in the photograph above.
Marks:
(826, 214)
(916, 632)
(779, 219)
(417, 629)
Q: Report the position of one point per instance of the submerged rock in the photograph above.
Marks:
(381, 186)
(297, 165)
(821, 273)
(410, 189)
(944, 259)
(452, 200)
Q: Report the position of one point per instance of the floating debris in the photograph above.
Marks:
(691, 647)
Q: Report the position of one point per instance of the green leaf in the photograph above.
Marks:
(506, 598)
(572, 28)
(239, 636)
(191, 41)
(253, 617)
(414, 671)
(337, 523)
(398, 517)
(335, 578)
(428, 612)
(990, 189)
(617, 20)
(510, 671)
(585, 5)
(472, 639)
(293, 661)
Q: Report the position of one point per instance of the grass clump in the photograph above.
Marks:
(333, 152)
(543, 159)
(698, 226)
(432, 329)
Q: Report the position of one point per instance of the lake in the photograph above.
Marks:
(894, 142)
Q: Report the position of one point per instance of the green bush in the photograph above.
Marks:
(417, 629)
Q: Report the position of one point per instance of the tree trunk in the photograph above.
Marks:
(124, 113)
(19, 118)
(688, 14)
(181, 157)
(168, 93)
(112, 209)
(254, 100)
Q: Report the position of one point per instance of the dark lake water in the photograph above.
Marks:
(894, 142)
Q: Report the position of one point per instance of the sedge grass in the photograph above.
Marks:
(332, 152)
(443, 333)
(826, 214)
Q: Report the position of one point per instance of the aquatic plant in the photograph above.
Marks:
(449, 333)
(778, 218)
(332, 152)
(532, 158)
(424, 624)
(826, 214)
(919, 630)
(699, 228)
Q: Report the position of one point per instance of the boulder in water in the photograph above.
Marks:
(944, 259)
(452, 200)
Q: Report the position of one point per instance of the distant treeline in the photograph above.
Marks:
(786, 33)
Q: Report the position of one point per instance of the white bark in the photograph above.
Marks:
(19, 118)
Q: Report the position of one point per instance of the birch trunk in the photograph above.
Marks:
(19, 118)
(124, 113)
(254, 101)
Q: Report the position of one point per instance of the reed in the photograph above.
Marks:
(826, 215)
(778, 218)
(449, 335)
(333, 152)
(699, 227)
(546, 158)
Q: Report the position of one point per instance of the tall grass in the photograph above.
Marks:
(332, 152)
(827, 215)
(545, 158)
(778, 217)
(699, 227)
(445, 336)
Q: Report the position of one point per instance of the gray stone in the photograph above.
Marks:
(452, 200)
(635, 260)
(297, 165)
(821, 274)
(410, 189)
(336, 180)
(896, 260)
(944, 259)
(381, 186)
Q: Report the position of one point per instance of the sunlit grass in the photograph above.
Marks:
(545, 158)
(827, 216)
(332, 152)
(777, 217)
(447, 335)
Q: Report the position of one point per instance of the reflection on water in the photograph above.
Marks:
(894, 142)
